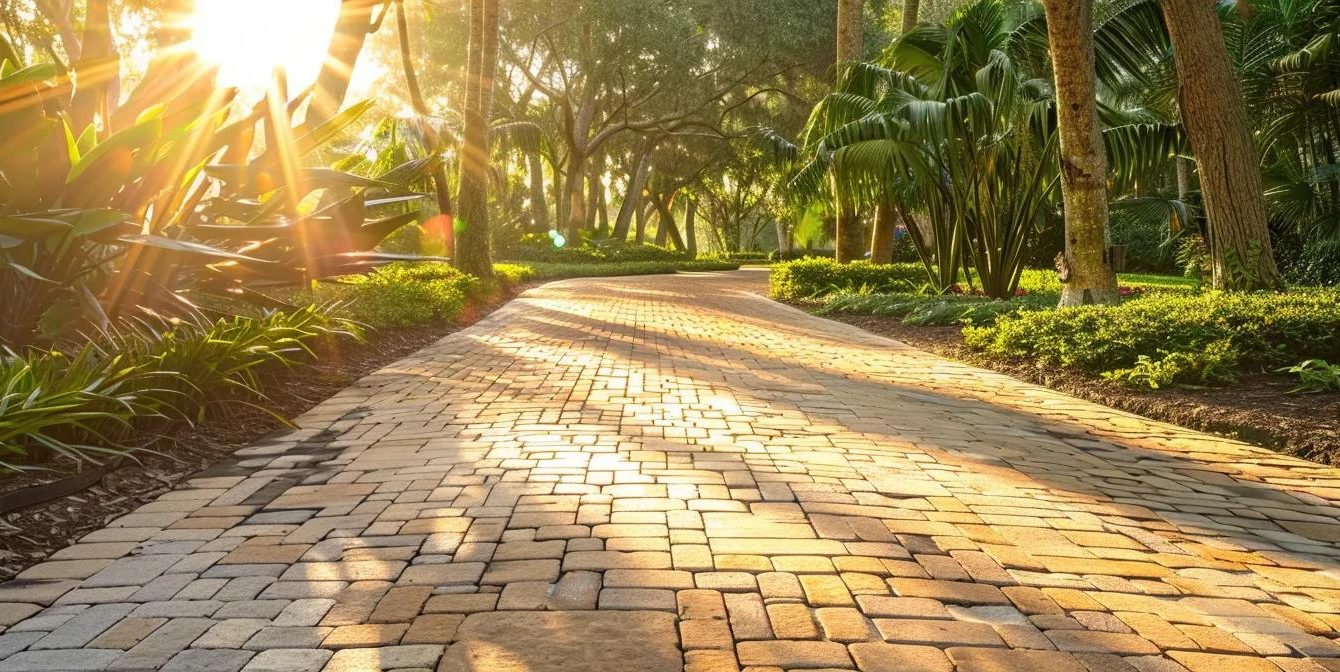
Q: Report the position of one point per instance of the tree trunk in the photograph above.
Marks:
(667, 231)
(1226, 157)
(1183, 179)
(1086, 273)
(473, 255)
(662, 230)
(593, 187)
(602, 212)
(641, 237)
(332, 84)
(441, 186)
(881, 241)
(848, 243)
(691, 229)
(97, 71)
(911, 10)
(632, 199)
(538, 207)
(576, 198)
(850, 30)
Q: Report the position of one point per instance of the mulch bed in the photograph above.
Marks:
(28, 535)
(1257, 409)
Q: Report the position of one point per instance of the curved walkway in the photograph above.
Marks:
(654, 473)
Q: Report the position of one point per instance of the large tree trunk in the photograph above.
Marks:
(332, 84)
(472, 253)
(1226, 156)
(850, 30)
(881, 241)
(1086, 274)
(441, 186)
(911, 10)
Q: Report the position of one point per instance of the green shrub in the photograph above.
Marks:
(77, 406)
(401, 295)
(1264, 330)
(224, 359)
(933, 310)
(815, 276)
(1146, 239)
(1315, 376)
(534, 247)
(85, 406)
(1040, 281)
(512, 275)
(1216, 364)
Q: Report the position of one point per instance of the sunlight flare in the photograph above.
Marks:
(249, 39)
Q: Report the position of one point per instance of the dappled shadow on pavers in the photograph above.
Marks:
(628, 473)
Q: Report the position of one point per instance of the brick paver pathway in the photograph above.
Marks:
(666, 472)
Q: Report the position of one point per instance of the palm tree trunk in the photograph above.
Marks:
(1226, 156)
(332, 84)
(911, 10)
(472, 251)
(881, 241)
(1086, 273)
(850, 30)
(848, 243)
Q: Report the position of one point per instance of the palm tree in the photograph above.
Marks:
(1086, 269)
(953, 124)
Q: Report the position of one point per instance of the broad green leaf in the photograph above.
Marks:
(187, 247)
(32, 227)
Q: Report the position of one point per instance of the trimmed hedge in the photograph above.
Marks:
(536, 249)
(1245, 331)
(929, 310)
(815, 276)
(550, 271)
(402, 295)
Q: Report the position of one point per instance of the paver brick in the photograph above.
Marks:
(701, 480)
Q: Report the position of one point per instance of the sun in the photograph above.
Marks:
(249, 39)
